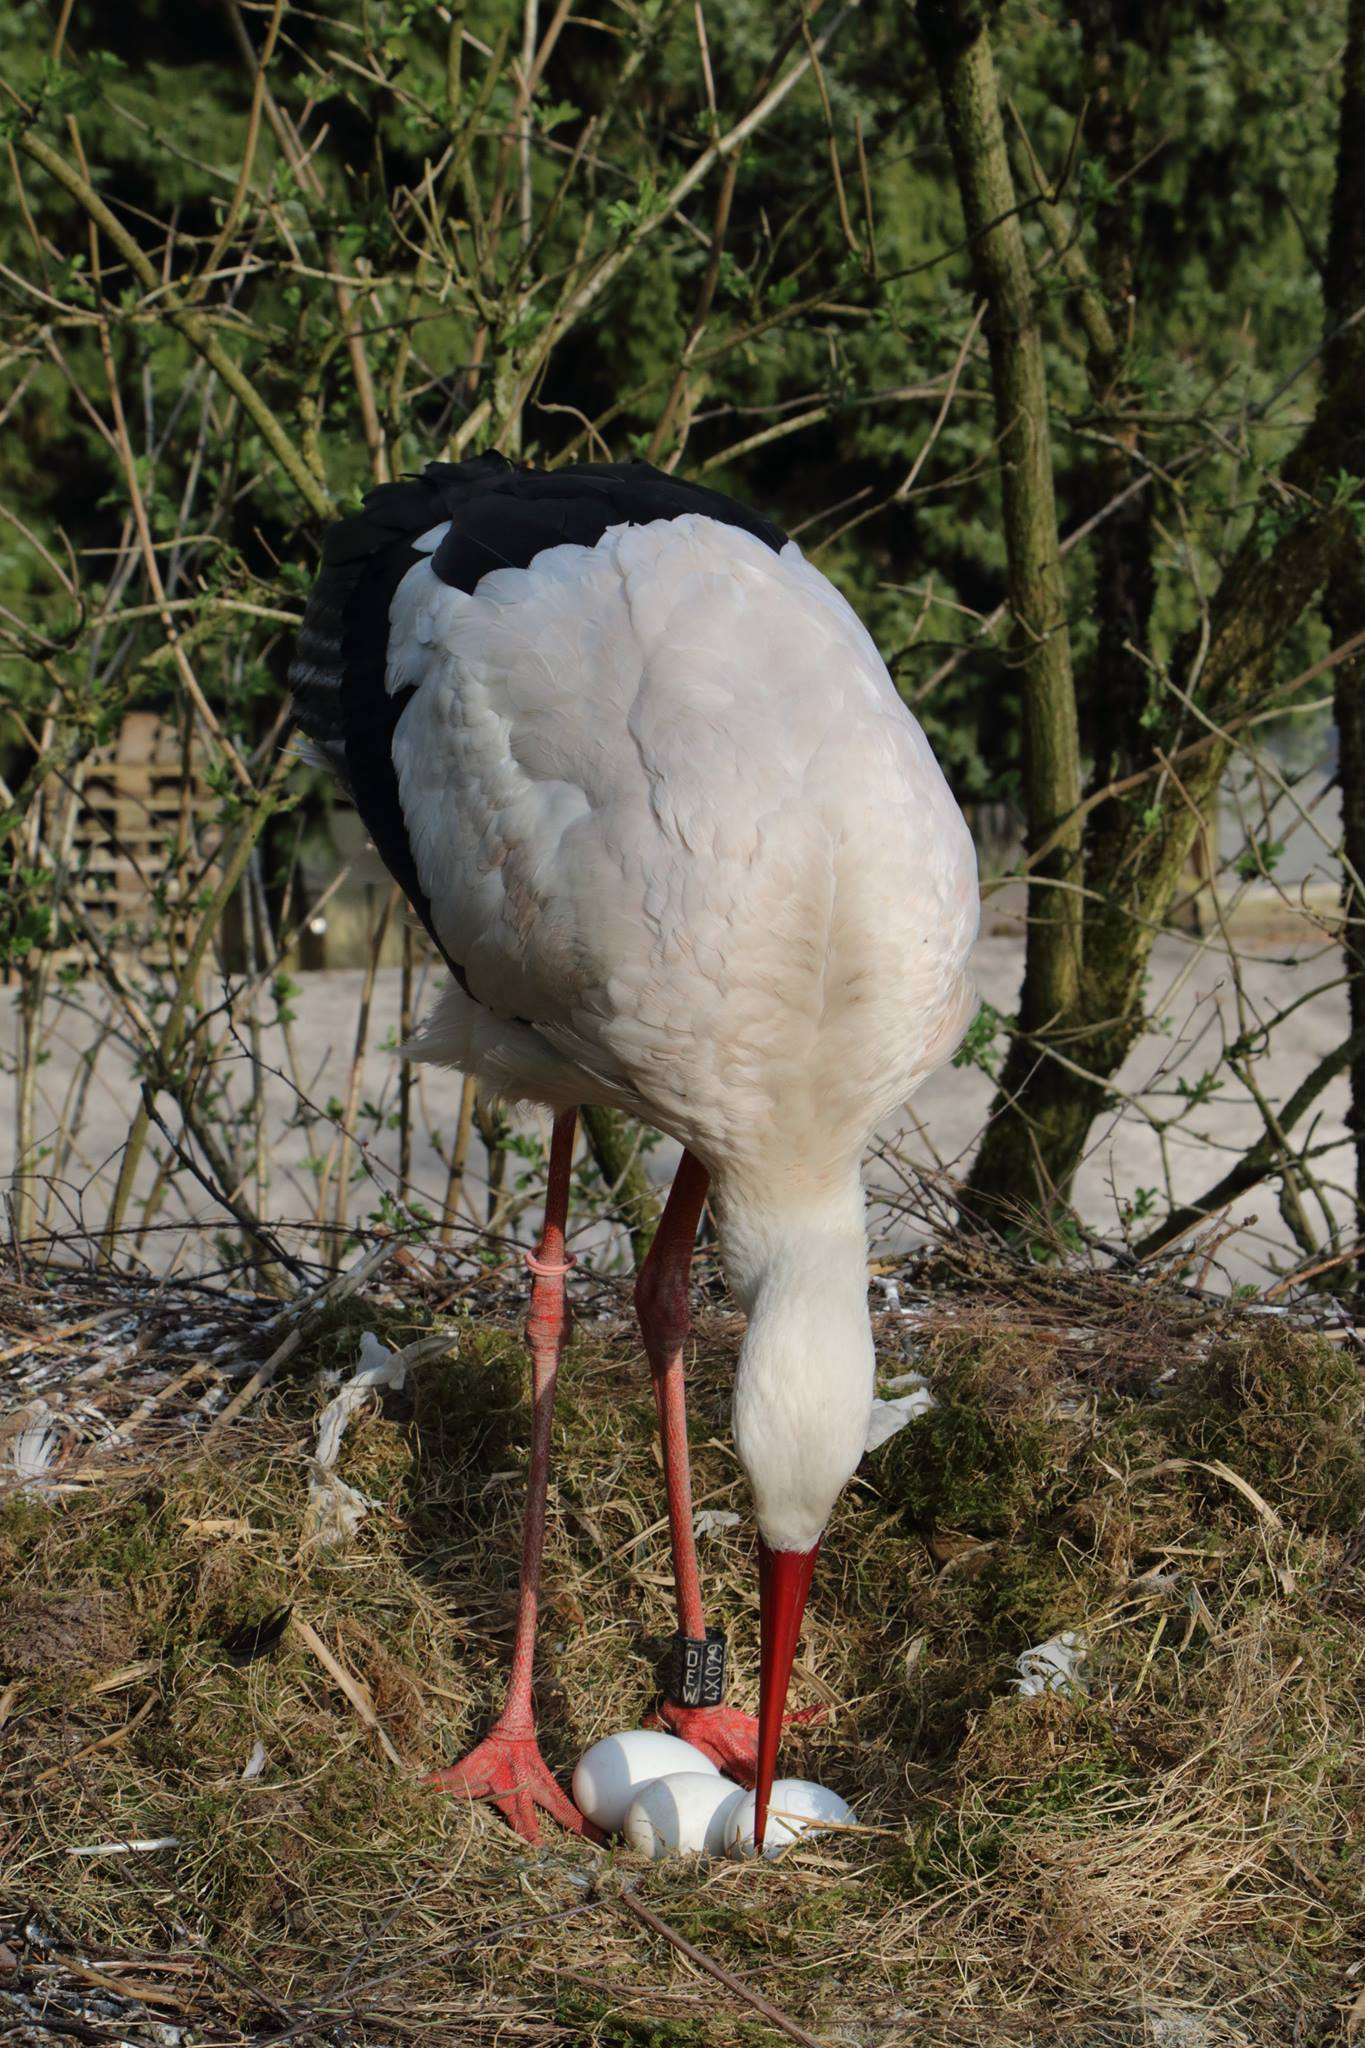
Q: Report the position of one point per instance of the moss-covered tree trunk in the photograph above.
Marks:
(613, 1141)
(1136, 846)
(1137, 857)
(959, 42)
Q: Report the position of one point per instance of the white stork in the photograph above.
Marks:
(648, 785)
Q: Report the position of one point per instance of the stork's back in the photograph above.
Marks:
(490, 515)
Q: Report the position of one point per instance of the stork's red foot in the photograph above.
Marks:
(510, 1770)
(727, 1736)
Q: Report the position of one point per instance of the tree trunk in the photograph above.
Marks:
(1346, 613)
(1137, 845)
(960, 45)
(1345, 605)
(621, 1165)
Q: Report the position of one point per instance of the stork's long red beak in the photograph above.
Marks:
(784, 1578)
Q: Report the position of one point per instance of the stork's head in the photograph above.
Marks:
(803, 1397)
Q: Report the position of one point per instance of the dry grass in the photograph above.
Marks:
(1168, 1859)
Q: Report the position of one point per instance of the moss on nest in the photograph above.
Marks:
(984, 1457)
(1285, 1409)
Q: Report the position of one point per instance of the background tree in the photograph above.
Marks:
(1158, 723)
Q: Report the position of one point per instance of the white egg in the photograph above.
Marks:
(683, 1814)
(797, 1808)
(611, 1773)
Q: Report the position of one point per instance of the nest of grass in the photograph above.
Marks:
(1169, 1855)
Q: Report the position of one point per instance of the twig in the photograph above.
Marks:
(580, 295)
(1219, 1470)
(125, 1987)
(355, 1692)
(195, 327)
(142, 1846)
(36, 1342)
(774, 2014)
(459, 1152)
(105, 1742)
(362, 1032)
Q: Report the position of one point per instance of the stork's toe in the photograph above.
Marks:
(509, 1770)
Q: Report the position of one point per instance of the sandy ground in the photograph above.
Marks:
(1192, 989)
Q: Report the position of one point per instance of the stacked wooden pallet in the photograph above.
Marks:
(146, 836)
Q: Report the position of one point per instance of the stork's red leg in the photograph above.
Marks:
(507, 1766)
(728, 1737)
(661, 1303)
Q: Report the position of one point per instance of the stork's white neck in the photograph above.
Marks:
(796, 1258)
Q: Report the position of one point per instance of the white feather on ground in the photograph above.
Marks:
(34, 1446)
(335, 1509)
(713, 1521)
(1053, 1666)
(908, 1398)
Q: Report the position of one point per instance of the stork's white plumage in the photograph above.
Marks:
(646, 779)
